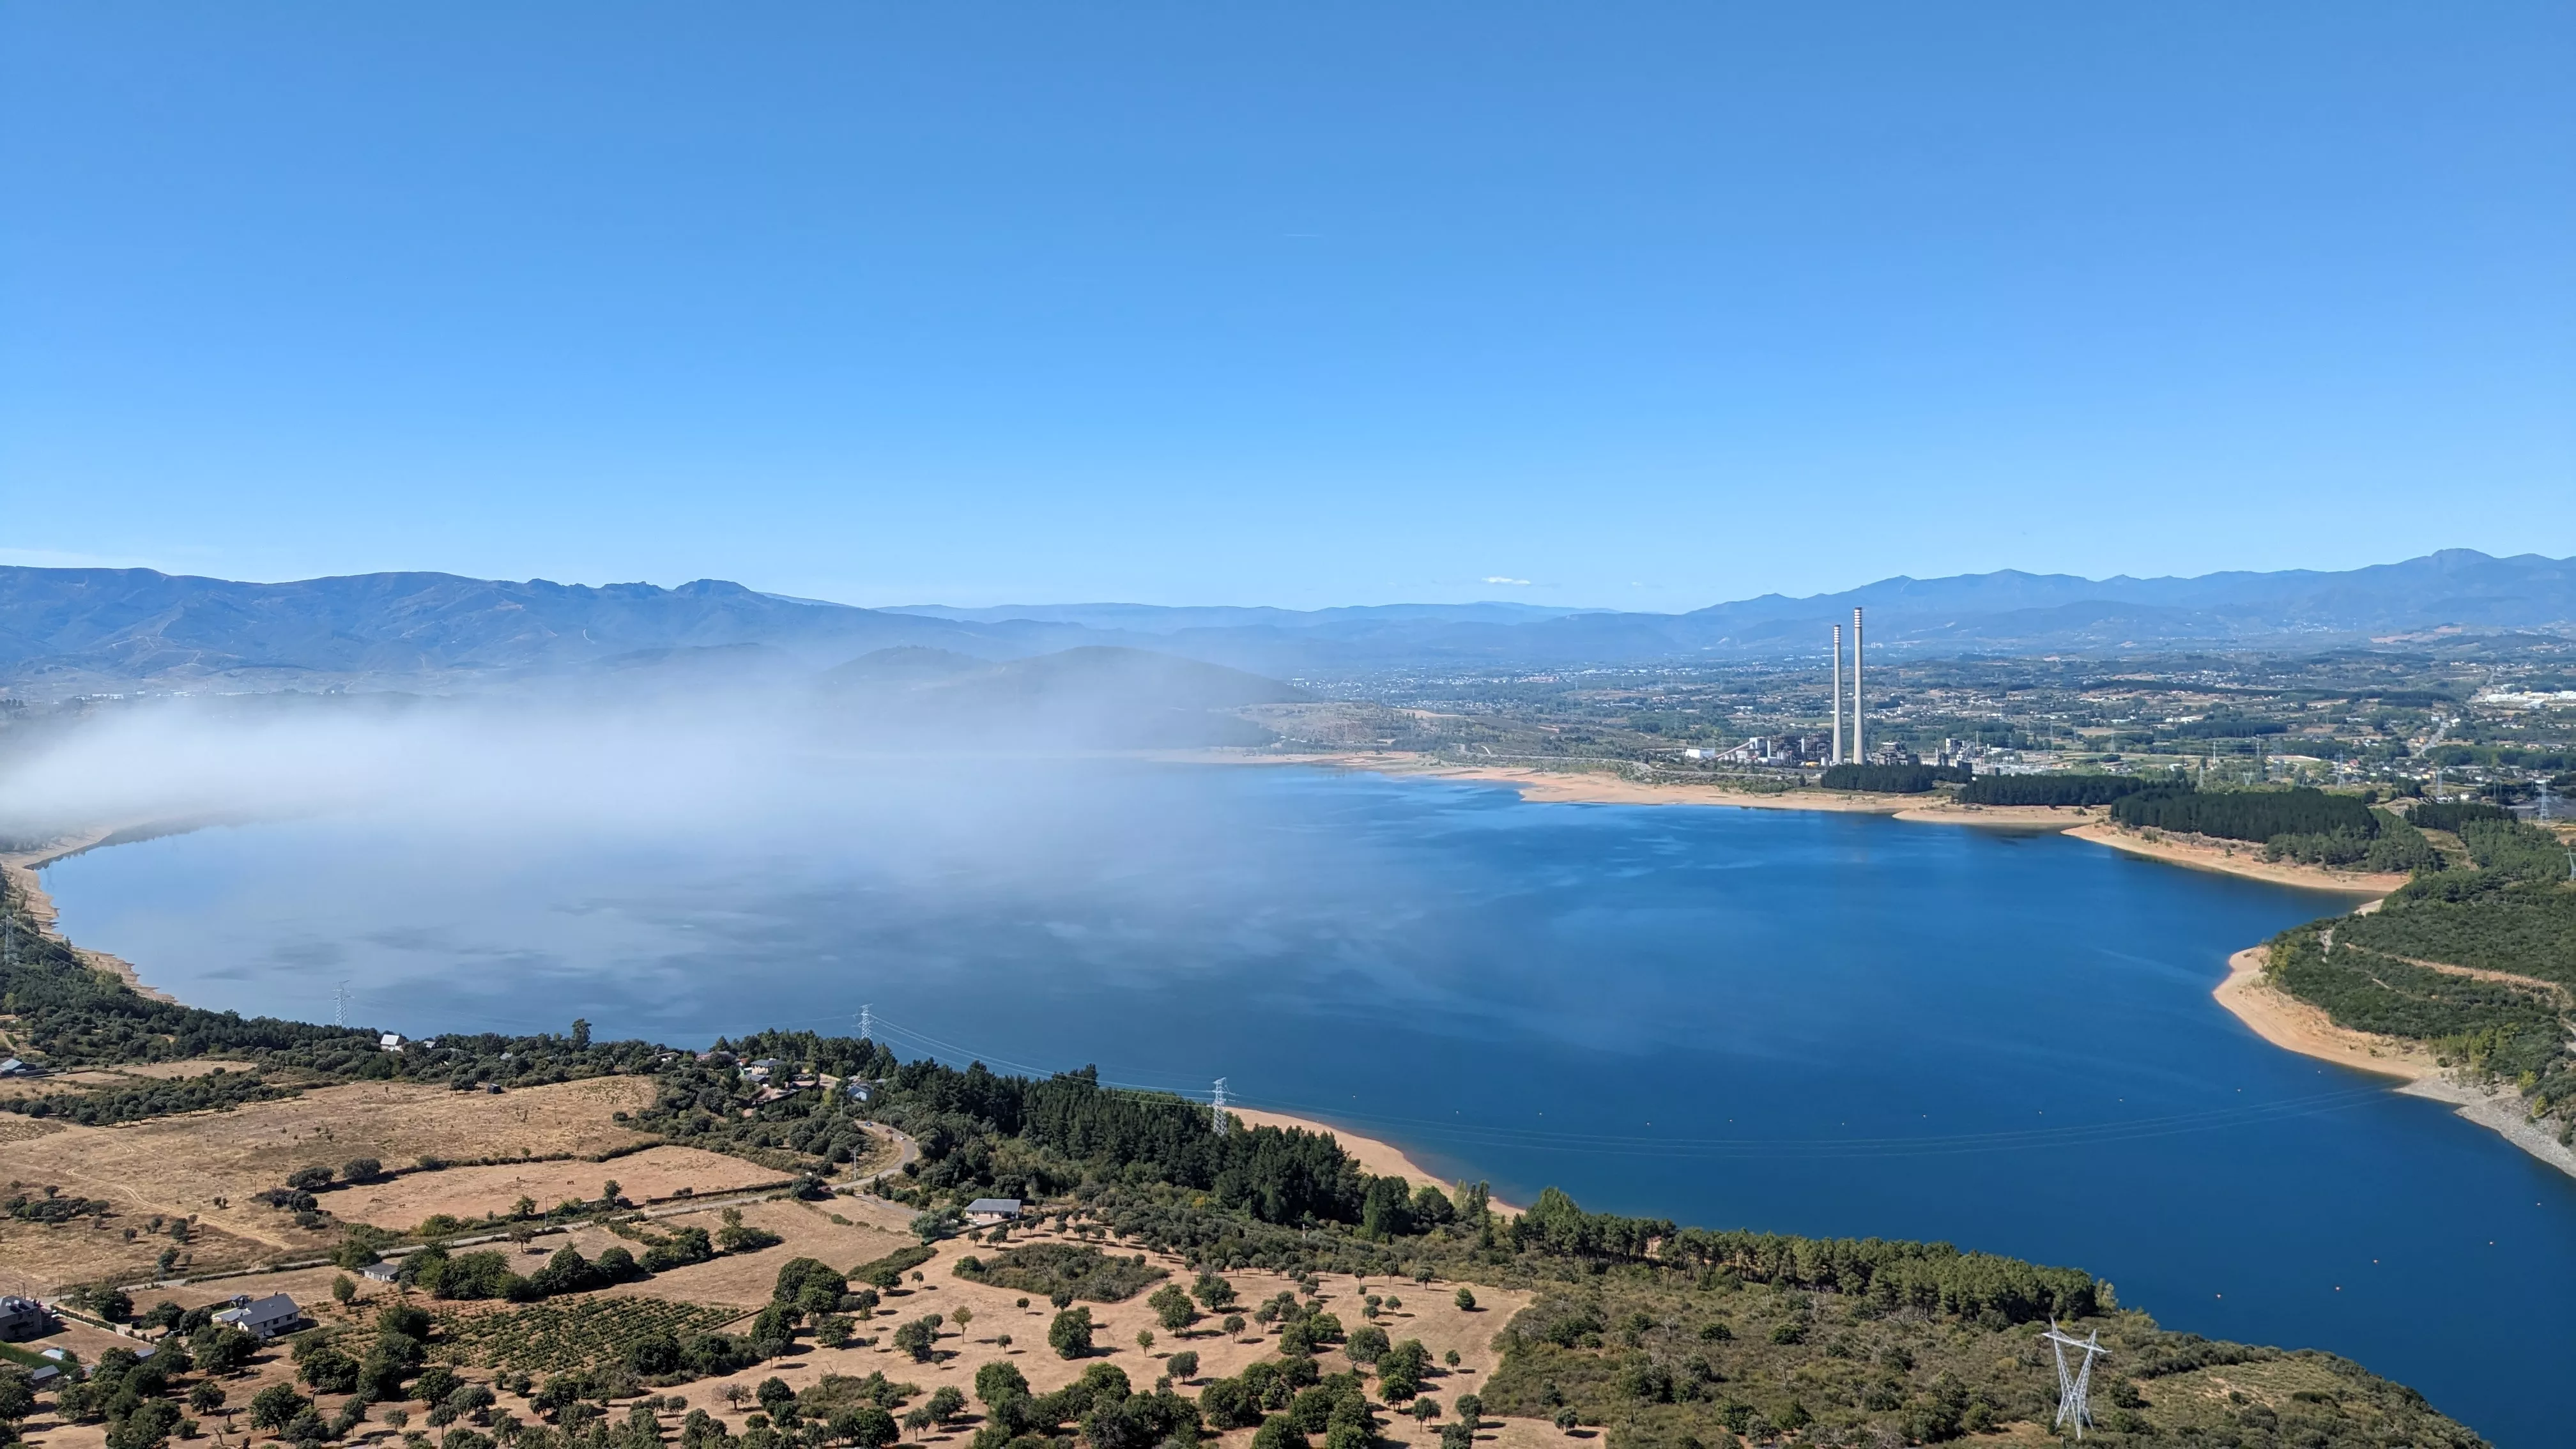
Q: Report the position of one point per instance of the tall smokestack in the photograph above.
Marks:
(1837, 755)
(1859, 749)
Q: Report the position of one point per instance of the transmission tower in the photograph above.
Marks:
(868, 1023)
(2074, 1386)
(1218, 1107)
(340, 1004)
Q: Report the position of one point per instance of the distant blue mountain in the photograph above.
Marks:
(1163, 619)
(70, 630)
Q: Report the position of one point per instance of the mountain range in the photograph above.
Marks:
(71, 631)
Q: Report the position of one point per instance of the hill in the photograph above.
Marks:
(69, 631)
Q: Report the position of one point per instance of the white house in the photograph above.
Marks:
(264, 1317)
(391, 1041)
(986, 1211)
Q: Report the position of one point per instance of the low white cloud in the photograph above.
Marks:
(1499, 579)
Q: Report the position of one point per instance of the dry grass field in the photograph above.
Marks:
(469, 1192)
(92, 1079)
(207, 1166)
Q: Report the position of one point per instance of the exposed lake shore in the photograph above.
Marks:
(2295, 1025)
(1602, 787)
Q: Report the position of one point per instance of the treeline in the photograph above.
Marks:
(969, 1121)
(2436, 815)
(1893, 779)
(2226, 727)
(217, 1089)
(2254, 815)
(1932, 1277)
(2051, 789)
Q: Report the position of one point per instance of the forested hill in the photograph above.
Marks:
(2405, 970)
(1670, 1337)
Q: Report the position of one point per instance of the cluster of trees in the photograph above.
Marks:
(981, 1131)
(704, 1104)
(1290, 1398)
(2051, 789)
(217, 1090)
(2393, 846)
(466, 1276)
(2255, 815)
(48, 1205)
(2226, 727)
(1931, 1277)
(2439, 815)
(1105, 1410)
(1893, 779)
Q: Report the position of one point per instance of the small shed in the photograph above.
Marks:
(380, 1272)
(986, 1211)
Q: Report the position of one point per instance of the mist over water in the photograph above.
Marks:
(1800, 1022)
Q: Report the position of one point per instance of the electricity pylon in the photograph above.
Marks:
(1218, 1106)
(2074, 1386)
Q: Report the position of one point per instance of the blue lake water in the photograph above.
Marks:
(1798, 1022)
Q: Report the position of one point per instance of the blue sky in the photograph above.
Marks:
(1640, 305)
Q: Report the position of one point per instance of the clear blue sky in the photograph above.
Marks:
(1289, 303)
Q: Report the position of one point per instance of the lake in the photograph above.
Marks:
(1800, 1022)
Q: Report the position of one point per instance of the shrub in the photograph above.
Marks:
(1070, 1334)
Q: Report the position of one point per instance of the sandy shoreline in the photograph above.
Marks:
(2294, 1025)
(2088, 824)
(2245, 860)
(1383, 1159)
(21, 867)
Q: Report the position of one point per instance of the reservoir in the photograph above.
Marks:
(1800, 1022)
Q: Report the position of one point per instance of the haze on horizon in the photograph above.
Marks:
(1332, 305)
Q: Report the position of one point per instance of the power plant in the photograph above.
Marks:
(1856, 753)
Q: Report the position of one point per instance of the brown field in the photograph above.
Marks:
(1428, 1313)
(91, 1079)
(470, 1192)
(207, 1165)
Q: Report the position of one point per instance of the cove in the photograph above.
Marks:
(1810, 1023)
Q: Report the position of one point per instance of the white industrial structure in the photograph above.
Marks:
(1838, 694)
(1858, 752)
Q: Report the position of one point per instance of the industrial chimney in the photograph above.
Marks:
(1859, 748)
(1837, 756)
